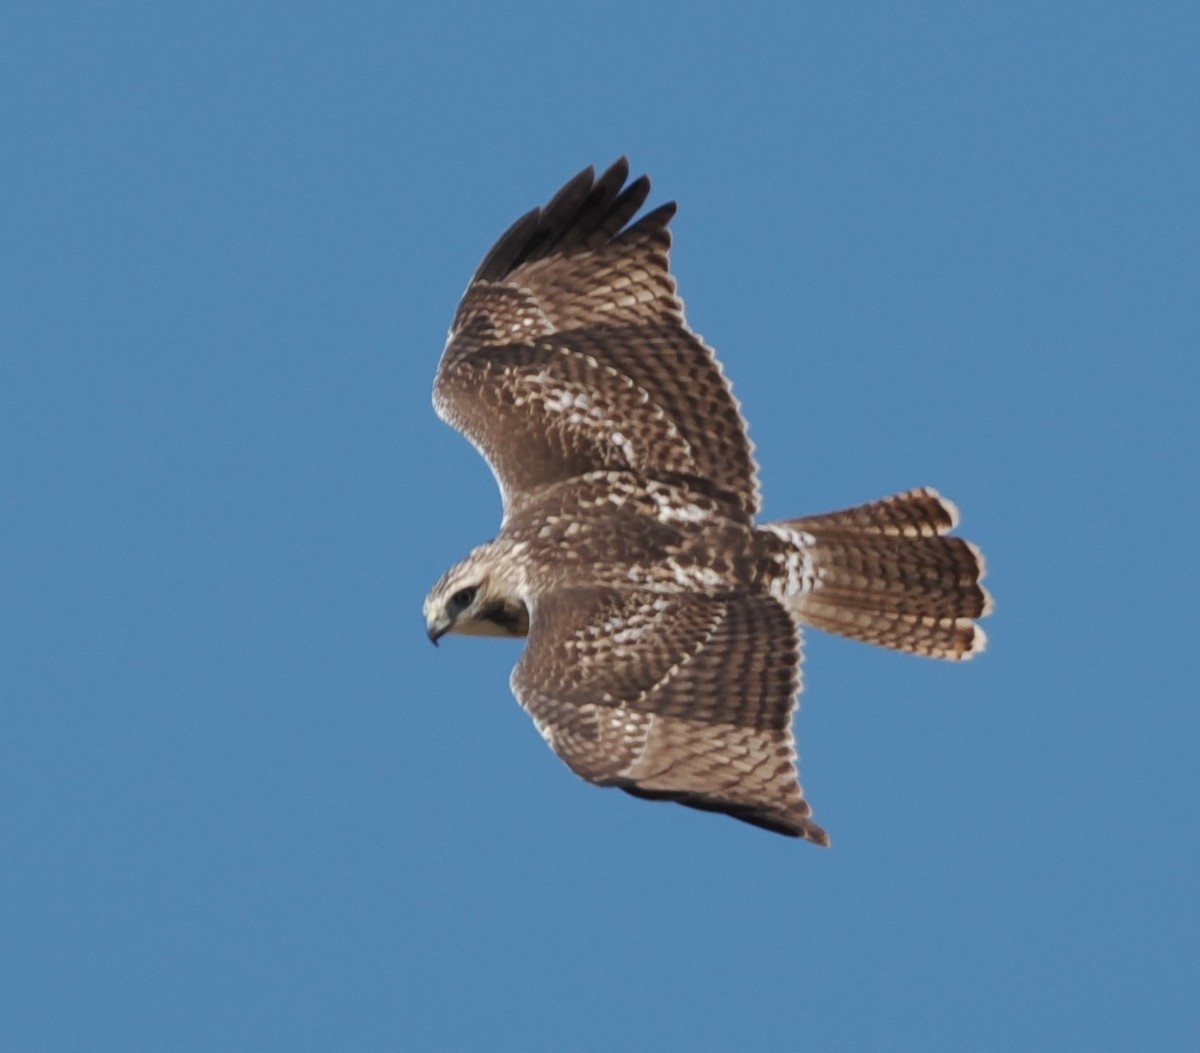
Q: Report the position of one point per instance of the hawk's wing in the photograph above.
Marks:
(686, 698)
(570, 353)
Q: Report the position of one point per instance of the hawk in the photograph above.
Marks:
(663, 623)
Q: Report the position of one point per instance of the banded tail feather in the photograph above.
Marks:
(884, 573)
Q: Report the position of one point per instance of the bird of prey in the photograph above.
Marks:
(663, 623)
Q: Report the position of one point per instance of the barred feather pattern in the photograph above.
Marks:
(883, 573)
(572, 326)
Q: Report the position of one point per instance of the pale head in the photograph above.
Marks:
(478, 597)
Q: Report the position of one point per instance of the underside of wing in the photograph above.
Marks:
(570, 353)
(685, 698)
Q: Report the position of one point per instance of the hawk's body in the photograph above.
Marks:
(663, 623)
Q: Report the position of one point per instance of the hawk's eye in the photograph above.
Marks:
(462, 599)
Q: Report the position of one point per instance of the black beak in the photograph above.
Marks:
(435, 633)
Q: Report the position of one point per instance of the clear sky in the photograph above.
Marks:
(245, 805)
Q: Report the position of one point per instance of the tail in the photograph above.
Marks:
(884, 574)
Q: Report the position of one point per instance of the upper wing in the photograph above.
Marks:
(686, 698)
(570, 353)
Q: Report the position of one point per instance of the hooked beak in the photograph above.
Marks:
(436, 629)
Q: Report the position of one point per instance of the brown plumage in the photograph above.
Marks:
(663, 624)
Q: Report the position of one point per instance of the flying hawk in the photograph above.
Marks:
(663, 624)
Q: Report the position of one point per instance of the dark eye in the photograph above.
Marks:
(462, 599)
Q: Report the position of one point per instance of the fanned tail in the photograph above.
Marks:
(884, 573)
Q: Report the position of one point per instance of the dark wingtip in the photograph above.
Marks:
(617, 172)
(587, 212)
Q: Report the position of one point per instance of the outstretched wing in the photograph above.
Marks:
(569, 353)
(684, 698)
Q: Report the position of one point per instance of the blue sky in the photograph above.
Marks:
(245, 805)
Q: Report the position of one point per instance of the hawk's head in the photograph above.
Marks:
(476, 598)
